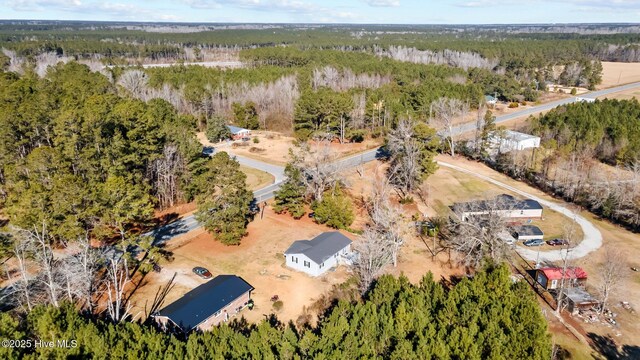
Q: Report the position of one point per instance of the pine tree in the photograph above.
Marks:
(224, 207)
(290, 196)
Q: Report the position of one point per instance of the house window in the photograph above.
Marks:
(217, 313)
(307, 264)
(521, 212)
(294, 259)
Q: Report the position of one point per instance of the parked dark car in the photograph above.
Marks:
(558, 242)
(534, 242)
(202, 272)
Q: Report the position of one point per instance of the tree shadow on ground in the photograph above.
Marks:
(606, 346)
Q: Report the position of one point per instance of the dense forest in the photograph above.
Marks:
(394, 320)
(75, 156)
(609, 128)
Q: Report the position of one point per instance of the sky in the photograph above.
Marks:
(329, 11)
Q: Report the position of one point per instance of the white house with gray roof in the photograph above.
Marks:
(319, 254)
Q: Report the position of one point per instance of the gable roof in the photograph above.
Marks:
(509, 201)
(205, 300)
(571, 273)
(321, 247)
(236, 130)
(528, 230)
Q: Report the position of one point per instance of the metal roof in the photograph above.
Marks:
(509, 202)
(321, 247)
(518, 136)
(205, 300)
(571, 273)
(236, 130)
(528, 230)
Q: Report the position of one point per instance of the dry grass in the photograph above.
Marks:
(617, 73)
(257, 179)
(614, 236)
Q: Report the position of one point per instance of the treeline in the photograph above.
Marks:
(608, 128)
(76, 157)
(487, 316)
(318, 90)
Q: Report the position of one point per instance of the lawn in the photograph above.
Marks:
(257, 179)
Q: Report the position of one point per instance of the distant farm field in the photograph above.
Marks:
(617, 73)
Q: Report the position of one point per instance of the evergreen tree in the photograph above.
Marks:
(335, 209)
(290, 196)
(217, 129)
(224, 205)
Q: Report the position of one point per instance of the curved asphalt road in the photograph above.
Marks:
(592, 237)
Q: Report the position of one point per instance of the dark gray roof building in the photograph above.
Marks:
(529, 230)
(321, 247)
(205, 300)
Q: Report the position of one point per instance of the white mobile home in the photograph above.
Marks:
(319, 254)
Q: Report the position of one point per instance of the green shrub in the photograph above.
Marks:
(277, 305)
(335, 210)
(256, 140)
(513, 105)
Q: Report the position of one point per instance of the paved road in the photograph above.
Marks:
(592, 237)
(460, 129)
(592, 242)
(189, 223)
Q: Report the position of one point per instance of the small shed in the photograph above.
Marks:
(579, 299)
(550, 277)
(490, 100)
(238, 133)
(529, 232)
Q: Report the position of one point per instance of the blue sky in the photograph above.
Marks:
(328, 11)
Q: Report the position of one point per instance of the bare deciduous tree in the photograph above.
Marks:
(320, 172)
(117, 279)
(135, 81)
(404, 169)
(386, 219)
(480, 234)
(611, 273)
(372, 256)
(446, 110)
(21, 286)
(165, 176)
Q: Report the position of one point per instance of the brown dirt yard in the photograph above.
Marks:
(274, 148)
(258, 260)
(618, 73)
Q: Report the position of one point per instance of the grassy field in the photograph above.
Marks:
(257, 179)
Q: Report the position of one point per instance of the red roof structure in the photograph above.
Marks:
(571, 273)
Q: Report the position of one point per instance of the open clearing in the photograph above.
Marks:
(618, 73)
(258, 259)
